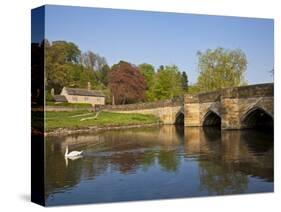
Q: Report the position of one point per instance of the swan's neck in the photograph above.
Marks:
(66, 151)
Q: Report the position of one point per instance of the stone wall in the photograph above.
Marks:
(167, 115)
(62, 108)
(146, 105)
(166, 110)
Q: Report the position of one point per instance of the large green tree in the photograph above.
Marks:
(61, 58)
(184, 81)
(62, 52)
(221, 68)
(97, 64)
(168, 83)
(148, 72)
(102, 74)
(65, 66)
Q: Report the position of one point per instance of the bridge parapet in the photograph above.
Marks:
(249, 91)
(191, 98)
(203, 97)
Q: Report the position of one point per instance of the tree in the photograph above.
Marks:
(103, 74)
(93, 61)
(63, 52)
(221, 68)
(148, 73)
(168, 83)
(61, 57)
(64, 66)
(184, 81)
(193, 89)
(169, 160)
(97, 64)
(161, 67)
(126, 83)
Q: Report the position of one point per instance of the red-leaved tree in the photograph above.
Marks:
(126, 83)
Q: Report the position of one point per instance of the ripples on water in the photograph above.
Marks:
(155, 163)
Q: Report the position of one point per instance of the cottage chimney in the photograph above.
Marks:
(89, 86)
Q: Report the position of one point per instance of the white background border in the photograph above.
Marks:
(15, 103)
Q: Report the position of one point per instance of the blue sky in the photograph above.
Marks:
(163, 38)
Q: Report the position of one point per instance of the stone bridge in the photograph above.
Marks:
(168, 111)
(232, 108)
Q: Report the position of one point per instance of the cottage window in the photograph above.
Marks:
(75, 99)
(86, 98)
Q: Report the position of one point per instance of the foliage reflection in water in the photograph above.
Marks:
(156, 163)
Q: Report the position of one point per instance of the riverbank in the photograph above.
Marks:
(92, 129)
(65, 123)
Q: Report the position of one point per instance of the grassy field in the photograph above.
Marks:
(82, 119)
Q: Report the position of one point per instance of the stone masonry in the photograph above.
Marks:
(235, 107)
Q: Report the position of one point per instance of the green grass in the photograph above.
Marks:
(66, 104)
(66, 120)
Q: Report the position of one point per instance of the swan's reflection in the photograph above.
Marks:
(72, 158)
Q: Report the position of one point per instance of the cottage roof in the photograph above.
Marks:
(83, 92)
(59, 98)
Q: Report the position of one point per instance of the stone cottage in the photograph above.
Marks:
(79, 95)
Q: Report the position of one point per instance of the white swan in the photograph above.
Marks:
(71, 158)
(73, 154)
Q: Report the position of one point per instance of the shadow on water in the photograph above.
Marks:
(187, 161)
(212, 133)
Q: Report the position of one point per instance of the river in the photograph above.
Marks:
(156, 163)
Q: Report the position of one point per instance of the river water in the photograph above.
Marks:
(156, 163)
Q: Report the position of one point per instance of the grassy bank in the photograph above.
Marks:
(83, 119)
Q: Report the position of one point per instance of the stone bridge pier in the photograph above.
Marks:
(231, 108)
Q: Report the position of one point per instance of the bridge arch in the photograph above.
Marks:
(179, 120)
(211, 118)
(257, 117)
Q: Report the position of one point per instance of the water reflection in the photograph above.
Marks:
(153, 163)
